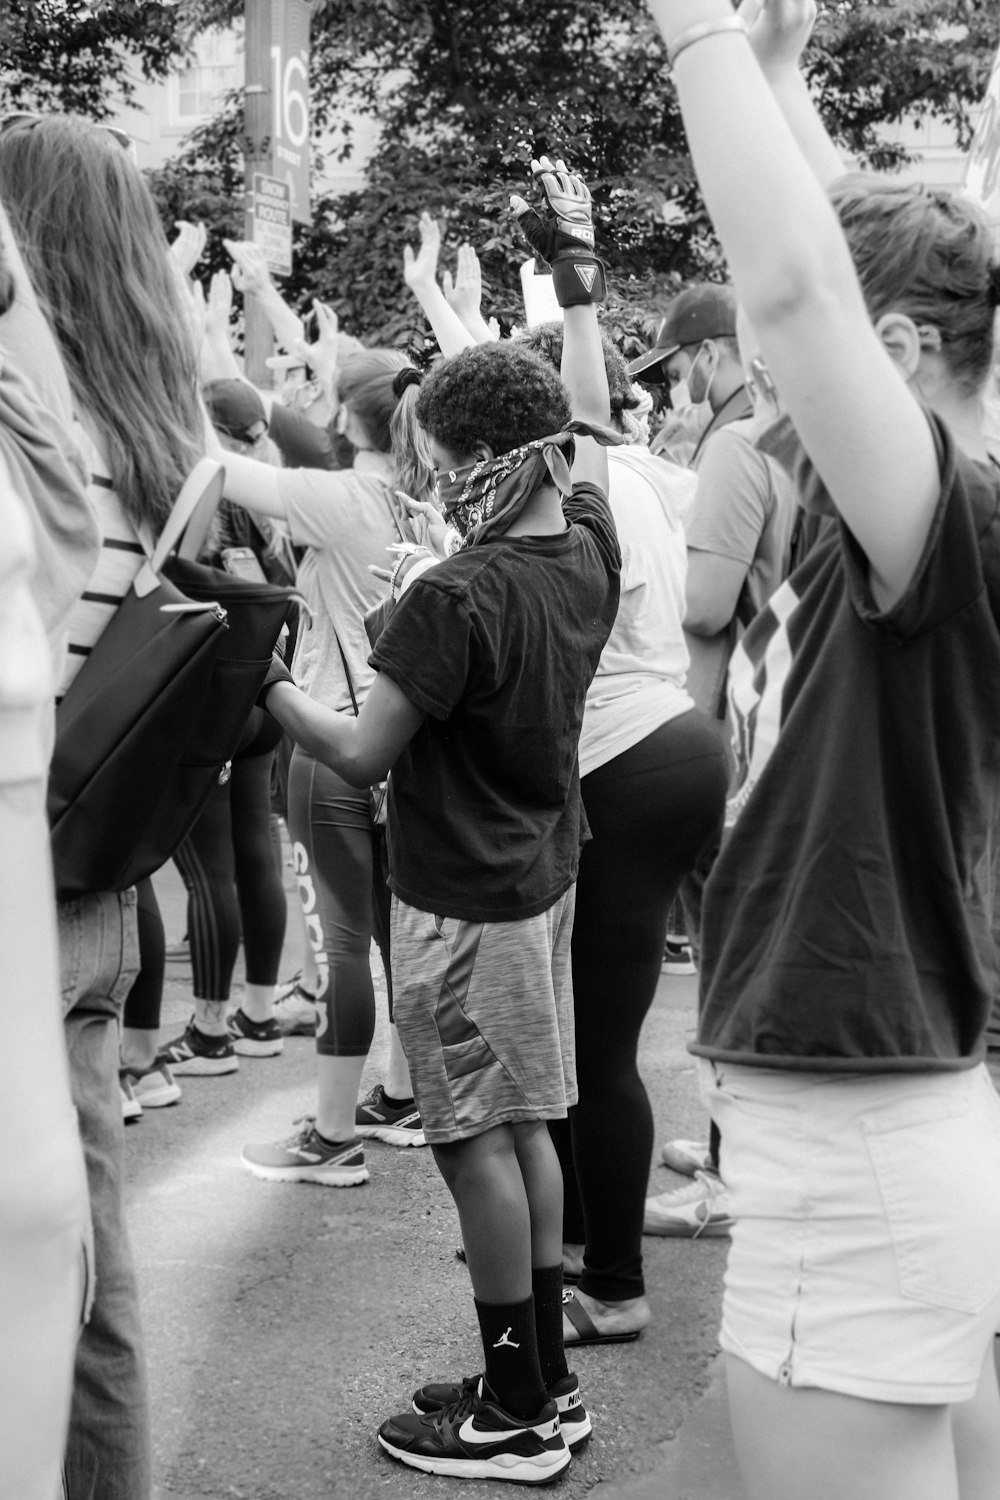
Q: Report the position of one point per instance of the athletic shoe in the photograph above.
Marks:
(307, 1157)
(698, 1211)
(192, 1054)
(476, 1439)
(678, 958)
(687, 1157)
(155, 1087)
(396, 1125)
(295, 1010)
(254, 1038)
(131, 1108)
(574, 1418)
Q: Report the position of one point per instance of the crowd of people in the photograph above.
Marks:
(597, 670)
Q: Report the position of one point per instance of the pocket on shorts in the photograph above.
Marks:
(937, 1165)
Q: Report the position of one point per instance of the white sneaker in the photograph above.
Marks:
(131, 1108)
(678, 957)
(698, 1211)
(295, 1010)
(687, 1157)
(156, 1087)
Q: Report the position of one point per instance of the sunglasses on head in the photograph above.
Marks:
(28, 121)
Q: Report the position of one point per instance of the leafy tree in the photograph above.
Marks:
(77, 56)
(466, 91)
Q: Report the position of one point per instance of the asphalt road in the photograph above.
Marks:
(284, 1322)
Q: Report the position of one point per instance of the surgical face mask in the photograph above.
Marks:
(680, 395)
(714, 359)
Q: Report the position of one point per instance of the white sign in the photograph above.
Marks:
(982, 170)
(540, 305)
(272, 222)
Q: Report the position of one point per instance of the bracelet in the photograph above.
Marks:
(699, 33)
(394, 575)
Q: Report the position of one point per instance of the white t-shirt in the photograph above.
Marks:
(344, 519)
(640, 679)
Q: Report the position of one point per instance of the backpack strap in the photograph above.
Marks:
(188, 523)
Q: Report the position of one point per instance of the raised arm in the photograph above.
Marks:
(779, 32)
(252, 277)
(420, 275)
(464, 295)
(565, 238)
(849, 399)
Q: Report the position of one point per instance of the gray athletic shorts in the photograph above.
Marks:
(485, 1015)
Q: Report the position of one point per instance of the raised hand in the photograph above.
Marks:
(218, 305)
(465, 293)
(251, 272)
(563, 234)
(188, 246)
(779, 31)
(420, 269)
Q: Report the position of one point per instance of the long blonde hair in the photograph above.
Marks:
(367, 385)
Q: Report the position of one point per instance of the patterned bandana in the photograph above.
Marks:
(482, 500)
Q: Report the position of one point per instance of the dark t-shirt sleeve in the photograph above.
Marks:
(426, 647)
(588, 507)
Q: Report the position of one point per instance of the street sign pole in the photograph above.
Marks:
(258, 337)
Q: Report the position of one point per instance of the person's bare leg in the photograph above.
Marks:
(975, 1427)
(542, 1175)
(138, 1048)
(397, 1073)
(258, 1002)
(483, 1175)
(339, 1079)
(793, 1442)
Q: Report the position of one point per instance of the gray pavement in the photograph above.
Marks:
(284, 1322)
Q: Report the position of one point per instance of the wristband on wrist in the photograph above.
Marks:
(578, 279)
(699, 34)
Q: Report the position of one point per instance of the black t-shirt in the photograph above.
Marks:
(497, 646)
(846, 923)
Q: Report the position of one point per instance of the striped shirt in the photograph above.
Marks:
(121, 556)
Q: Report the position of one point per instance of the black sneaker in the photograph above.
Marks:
(254, 1038)
(396, 1125)
(574, 1418)
(475, 1438)
(193, 1054)
(678, 957)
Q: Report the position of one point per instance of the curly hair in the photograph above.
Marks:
(503, 395)
(546, 339)
(926, 254)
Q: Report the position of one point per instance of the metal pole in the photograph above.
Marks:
(258, 337)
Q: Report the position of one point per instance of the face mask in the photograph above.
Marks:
(680, 395)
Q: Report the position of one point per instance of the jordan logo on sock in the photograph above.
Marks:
(505, 1341)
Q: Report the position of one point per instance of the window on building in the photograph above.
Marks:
(197, 91)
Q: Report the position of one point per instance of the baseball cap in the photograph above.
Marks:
(705, 311)
(236, 409)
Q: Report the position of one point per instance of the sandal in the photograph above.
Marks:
(587, 1329)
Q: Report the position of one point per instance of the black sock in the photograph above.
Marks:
(396, 1103)
(511, 1350)
(547, 1289)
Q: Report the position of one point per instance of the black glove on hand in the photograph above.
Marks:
(565, 236)
(276, 672)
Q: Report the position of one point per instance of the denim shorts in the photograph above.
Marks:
(865, 1254)
(484, 1012)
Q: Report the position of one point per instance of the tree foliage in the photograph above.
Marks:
(464, 92)
(79, 56)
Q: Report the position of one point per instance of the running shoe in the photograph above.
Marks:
(574, 1418)
(295, 1009)
(698, 1211)
(192, 1054)
(131, 1108)
(307, 1157)
(396, 1125)
(155, 1087)
(254, 1038)
(476, 1439)
(687, 1157)
(678, 958)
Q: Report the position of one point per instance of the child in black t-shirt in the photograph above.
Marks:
(482, 673)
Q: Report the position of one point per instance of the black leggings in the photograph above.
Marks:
(233, 880)
(142, 1007)
(339, 867)
(651, 811)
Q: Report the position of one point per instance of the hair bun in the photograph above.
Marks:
(407, 376)
(994, 286)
